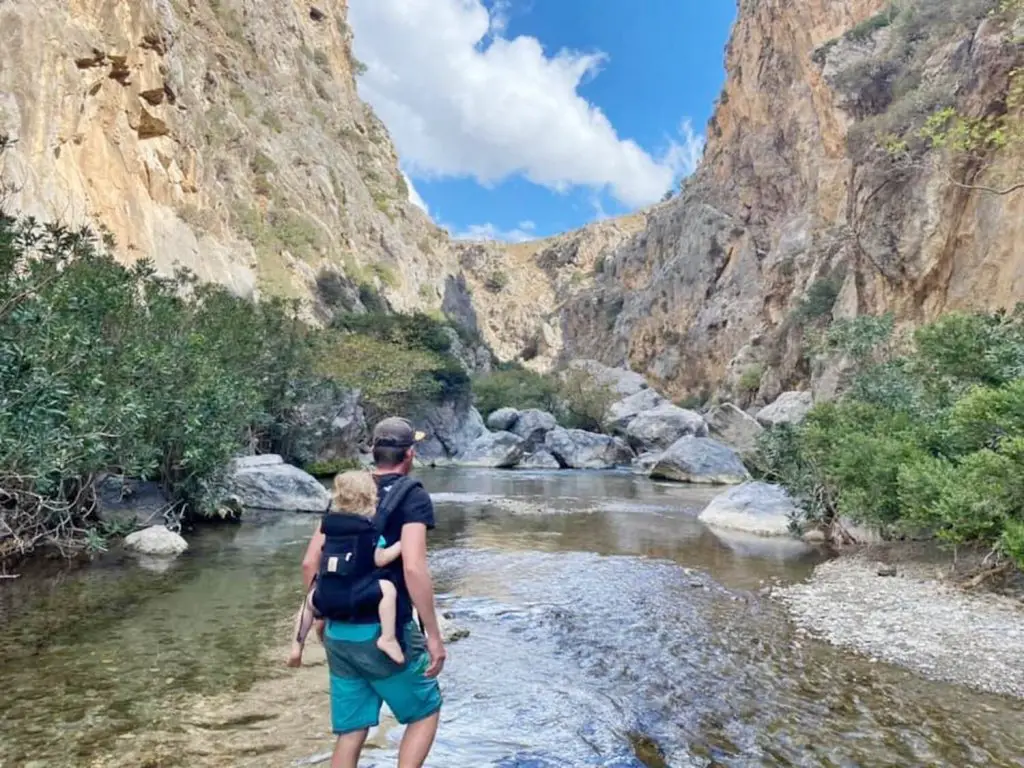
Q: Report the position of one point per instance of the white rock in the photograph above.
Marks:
(156, 540)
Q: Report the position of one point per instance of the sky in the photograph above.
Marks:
(517, 119)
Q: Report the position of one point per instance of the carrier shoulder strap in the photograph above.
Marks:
(396, 494)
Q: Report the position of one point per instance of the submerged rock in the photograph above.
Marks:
(734, 427)
(788, 408)
(700, 460)
(266, 482)
(503, 419)
(500, 450)
(759, 508)
(578, 449)
(658, 428)
(156, 540)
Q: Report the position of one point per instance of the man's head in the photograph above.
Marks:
(394, 442)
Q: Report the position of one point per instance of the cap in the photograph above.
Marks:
(395, 432)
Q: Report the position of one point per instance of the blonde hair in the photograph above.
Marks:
(355, 491)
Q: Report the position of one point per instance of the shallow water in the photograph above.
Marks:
(614, 625)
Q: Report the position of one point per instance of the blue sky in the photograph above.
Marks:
(521, 118)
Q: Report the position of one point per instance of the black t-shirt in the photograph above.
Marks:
(416, 507)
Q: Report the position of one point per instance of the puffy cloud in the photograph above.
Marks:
(462, 100)
(414, 196)
(519, 234)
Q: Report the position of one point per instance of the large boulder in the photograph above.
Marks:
(621, 413)
(657, 429)
(760, 508)
(503, 419)
(540, 460)
(455, 424)
(266, 482)
(734, 427)
(500, 450)
(330, 424)
(789, 408)
(620, 380)
(700, 460)
(128, 502)
(157, 540)
(577, 449)
(533, 425)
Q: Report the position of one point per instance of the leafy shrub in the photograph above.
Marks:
(105, 367)
(750, 379)
(929, 436)
(330, 468)
(497, 281)
(820, 299)
(585, 400)
(515, 387)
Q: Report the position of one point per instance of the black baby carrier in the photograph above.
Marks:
(346, 587)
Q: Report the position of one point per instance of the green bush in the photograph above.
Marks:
(497, 281)
(515, 387)
(928, 436)
(329, 468)
(106, 367)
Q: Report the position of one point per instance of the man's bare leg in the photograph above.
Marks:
(303, 623)
(417, 741)
(347, 749)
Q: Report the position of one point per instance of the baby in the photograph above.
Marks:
(349, 580)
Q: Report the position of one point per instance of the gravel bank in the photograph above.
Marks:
(914, 620)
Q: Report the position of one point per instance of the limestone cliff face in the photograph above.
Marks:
(794, 198)
(223, 135)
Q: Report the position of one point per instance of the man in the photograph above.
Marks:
(362, 677)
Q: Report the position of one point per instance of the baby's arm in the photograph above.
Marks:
(386, 555)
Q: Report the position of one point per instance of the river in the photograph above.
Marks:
(614, 630)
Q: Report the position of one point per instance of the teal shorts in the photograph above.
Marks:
(363, 677)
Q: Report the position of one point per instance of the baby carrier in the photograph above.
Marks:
(346, 588)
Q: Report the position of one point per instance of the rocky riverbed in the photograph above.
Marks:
(904, 614)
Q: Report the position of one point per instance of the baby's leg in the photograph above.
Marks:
(387, 611)
(303, 623)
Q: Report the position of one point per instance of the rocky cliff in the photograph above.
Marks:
(222, 135)
(818, 197)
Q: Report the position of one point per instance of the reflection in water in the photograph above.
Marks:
(589, 643)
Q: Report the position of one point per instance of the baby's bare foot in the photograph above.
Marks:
(391, 647)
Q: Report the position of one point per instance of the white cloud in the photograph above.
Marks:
(684, 158)
(462, 100)
(414, 196)
(488, 231)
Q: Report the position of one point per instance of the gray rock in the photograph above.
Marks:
(759, 508)
(577, 449)
(539, 460)
(621, 413)
(129, 502)
(533, 425)
(503, 419)
(156, 540)
(789, 408)
(624, 382)
(329, 425)
(266, 482)
(455, 424)
(644, 463)
(700, 460)
(732, 426)
(657, 429)
(501, 450)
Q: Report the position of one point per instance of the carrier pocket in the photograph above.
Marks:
(341, 558)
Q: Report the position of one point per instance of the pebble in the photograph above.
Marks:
(940, 632)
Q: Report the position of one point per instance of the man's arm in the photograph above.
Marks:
(417, 574)
(311, 560)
